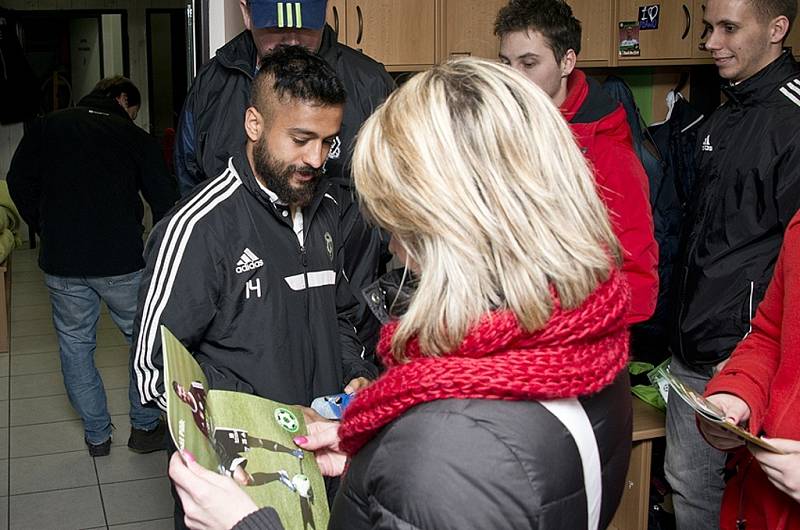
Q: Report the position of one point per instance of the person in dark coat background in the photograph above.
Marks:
(76, 178)
(505, 404)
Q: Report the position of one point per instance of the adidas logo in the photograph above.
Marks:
(707, 144)
(248, 262)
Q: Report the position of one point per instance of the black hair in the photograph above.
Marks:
(552, 18)
(116, 86)
(296, 73)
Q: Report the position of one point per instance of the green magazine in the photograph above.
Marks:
(244, 436)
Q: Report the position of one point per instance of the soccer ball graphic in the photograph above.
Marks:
(286, 419)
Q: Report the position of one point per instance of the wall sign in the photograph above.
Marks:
(649, 16)
(629, 39)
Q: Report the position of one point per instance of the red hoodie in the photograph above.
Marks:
(763, 371)
(601, 129)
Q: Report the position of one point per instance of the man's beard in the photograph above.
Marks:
(277, 177)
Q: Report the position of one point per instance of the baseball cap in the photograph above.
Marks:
(308, 14)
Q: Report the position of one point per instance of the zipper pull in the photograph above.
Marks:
(303, 256)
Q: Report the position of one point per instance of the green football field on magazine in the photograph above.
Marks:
(246, 436)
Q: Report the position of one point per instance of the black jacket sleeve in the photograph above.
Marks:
(24, 177)
(187, 165)
(354, 359)
(180, 290)
(787, 193)
(158, 186)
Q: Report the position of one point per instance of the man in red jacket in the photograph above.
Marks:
(541, 39)
(759, 388)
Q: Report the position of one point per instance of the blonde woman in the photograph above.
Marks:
(504, 403)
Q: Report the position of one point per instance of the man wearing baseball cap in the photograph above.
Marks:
(210, 128)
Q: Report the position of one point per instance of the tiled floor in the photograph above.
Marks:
(47, 478)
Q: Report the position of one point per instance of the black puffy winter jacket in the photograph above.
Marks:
(484, 464)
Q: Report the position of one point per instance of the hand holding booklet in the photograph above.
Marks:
(244, 436)
(707, 410)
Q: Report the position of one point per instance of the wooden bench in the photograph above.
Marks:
(648, 424)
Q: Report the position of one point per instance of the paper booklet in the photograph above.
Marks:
(251, 437)
(711, 412)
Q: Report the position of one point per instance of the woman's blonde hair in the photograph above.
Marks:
(472, 168)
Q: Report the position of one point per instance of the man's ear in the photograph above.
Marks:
(245, 14)
(253, 124)
(778, 29)
(568, 63)
(122, 99)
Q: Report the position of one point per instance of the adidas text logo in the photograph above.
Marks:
(707, 144)
(248, 262)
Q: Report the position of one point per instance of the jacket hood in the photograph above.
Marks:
(590, 110)
(99, 101)
(240, 53)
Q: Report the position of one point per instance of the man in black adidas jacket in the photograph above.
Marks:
(748, 188)
(210, 128)
(247, 270)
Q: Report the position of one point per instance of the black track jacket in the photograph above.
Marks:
(748, 189)
(261, 314)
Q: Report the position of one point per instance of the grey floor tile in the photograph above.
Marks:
(123, 465)
(35, 363)
(4, 478)
(44, 326)
(4, 414)
(57, 408)
(39, 363)
(73, 508)
(152, 500)
(51, 472)
(37, 385)
(112, 355)
(25, 276)
(4, 438)
(28, 300)
(61, 437)
(52, 383)
(33, 326)
(38, 311)
(4, 365)
(34, 344)
(159, 524)
(3, 388)
(41, 410)
(3, 513)
(23, 265)
(29, 289)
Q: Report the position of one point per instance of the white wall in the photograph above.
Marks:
(224, 23)
(113, 63)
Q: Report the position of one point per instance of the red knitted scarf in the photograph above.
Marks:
(577, 353)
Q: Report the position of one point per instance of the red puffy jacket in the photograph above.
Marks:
(763, 372)
(601, 128)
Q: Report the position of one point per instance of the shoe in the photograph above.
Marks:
(142, 441)
(101, 449)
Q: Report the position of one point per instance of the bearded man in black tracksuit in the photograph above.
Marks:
(210, 127)
(748, 188)
(247, 271)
